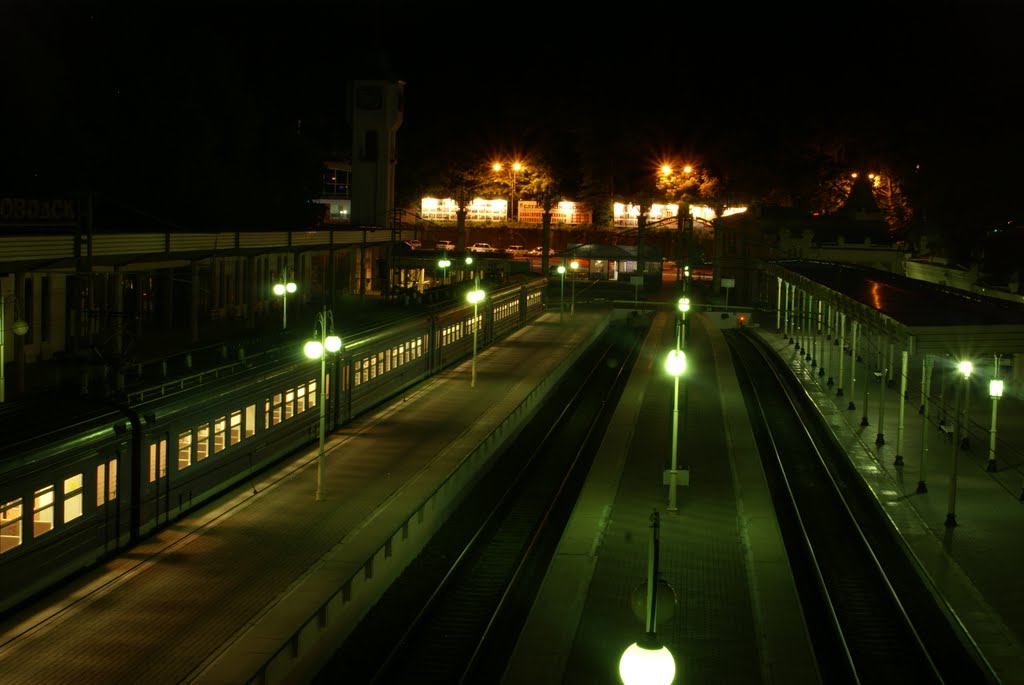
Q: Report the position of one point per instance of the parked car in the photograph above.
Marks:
(482, 247)
(444, 245)
(539, 252)
(414, 244)
(516, 250)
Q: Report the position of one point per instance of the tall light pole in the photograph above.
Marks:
(561, 297)
(965, 370)
(469, 264)
(647, 661)
(574, 265)
(675, 365)
(327, 342)
(684, 307)
(514, 169)
(19, 327)
(444, 263)
(995, 391)
(283, 290)
(475, 296)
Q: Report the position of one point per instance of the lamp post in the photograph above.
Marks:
(684, 306)
(475, 296)
(283, 290)
(444, 263)
(675, 365)
(327, 342)
(647, 661)
(469, 265)
(561, 297)
(965, 370)
(574, 265)
(995, 391)
(19, 327)
(514, 169)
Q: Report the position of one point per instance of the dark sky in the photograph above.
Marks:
(204, 104)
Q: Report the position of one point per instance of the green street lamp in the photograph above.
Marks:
(684, 307)
(995, 391)
(561, 297)
(469, 264)
(675, 365)
(318, 348)
(283, 290)
(574, 265)
(647, 661)
(965, 368)
(444, 263)
(475, 296)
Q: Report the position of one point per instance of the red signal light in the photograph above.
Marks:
(743, 319)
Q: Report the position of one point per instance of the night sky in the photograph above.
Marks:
(206, 115)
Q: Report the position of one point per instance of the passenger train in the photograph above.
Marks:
(98, 478)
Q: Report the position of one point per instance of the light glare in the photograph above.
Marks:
(313, 349)
(648, 666)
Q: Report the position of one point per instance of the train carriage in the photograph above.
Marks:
(84, 479)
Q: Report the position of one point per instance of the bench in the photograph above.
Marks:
(877, 375)
(946, 430)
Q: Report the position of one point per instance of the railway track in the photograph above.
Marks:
(454, 614)
(872, 616)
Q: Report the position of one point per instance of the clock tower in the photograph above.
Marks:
(377, 107)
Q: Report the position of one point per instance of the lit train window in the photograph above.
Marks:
(112, 480)
(184, 450)
(266, 414)
(73, 494)
(101, 484)
(106, 482)
(312, 394)
(42, 511)
(202, 442)
(300, 399)
(220, 427)
(275, 410)
(289, 404)
(157, 460)
(235, 435)
(250, 421)
(327, 385)
(10, 525)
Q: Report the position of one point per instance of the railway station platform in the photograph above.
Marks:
(736, 616)
(262, 585)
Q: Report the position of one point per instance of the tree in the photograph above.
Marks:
(540, 185)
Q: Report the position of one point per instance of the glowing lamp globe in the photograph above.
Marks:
(333, 343)
(675, 363)
(647, 662)
(313, 349)
(684, 304)
(20, 327)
